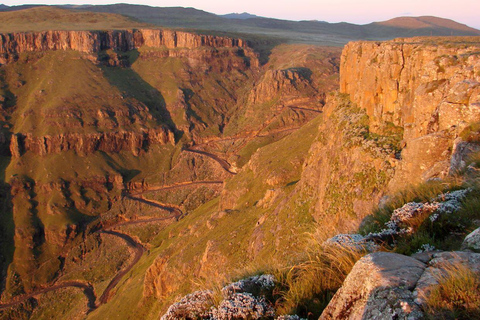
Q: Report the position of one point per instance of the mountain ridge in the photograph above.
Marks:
(256, 28)
(235, 15)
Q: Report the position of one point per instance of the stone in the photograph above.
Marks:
(379, 286)
(472, 241)
(85, 144)
(355, 242)
(118, 40)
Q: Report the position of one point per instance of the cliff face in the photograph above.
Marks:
(429, 87)
(424, 87)
(96, 41)
(83, 144)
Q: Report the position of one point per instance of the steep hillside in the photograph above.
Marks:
(139, 165)
(102, 124)
(353, 162)
(131, 139)
(322, 179)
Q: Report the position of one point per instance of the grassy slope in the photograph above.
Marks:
(58, 87)
(61, 85)
(54, 18)
(73, 95)
(184, 242)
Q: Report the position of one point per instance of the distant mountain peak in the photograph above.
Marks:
(427, 22)
(240, 16)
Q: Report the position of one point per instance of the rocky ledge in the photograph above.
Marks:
(386, 285)
(84, 144)
(12, 44)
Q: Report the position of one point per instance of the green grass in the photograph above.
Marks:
(69, 91)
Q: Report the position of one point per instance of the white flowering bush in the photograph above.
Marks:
(257, 285)
(412, 226)
(195, 305)
(244, 299)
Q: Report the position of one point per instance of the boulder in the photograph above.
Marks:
(472, 241)
(379, 286)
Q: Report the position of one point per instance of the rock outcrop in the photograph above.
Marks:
(472, 241)
(422, 84)
(385, 285)
(286, 82)
(95, 41)
(84, 144)
(158, 279)
(380, 286)
(428, 86)
(244, 299)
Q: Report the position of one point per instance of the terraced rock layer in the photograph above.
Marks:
(96, 41)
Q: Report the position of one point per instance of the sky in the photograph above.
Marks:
(354, 11)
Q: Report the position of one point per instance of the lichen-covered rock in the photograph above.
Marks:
(472, 241)
(399, 223)
(289, 317)
(379, 286)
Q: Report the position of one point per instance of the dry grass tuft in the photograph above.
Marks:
(307, 287)
(457, 296)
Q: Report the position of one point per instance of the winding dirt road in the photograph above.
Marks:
(88, 290)
(177, 185)
(305, 109)
(223, 163)
(139, 250)
(164, 206)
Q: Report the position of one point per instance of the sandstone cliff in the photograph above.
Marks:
(84, 144)
(95, 41)
(416, 83)
(430, 87)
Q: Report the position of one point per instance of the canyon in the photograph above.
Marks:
(140, 165)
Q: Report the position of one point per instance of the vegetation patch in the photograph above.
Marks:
(457, 295)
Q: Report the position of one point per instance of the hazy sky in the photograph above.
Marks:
(355, 11)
